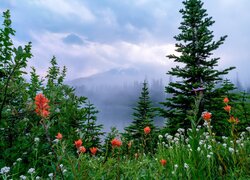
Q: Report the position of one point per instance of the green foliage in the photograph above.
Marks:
(143, 117)
(89, 131)
(196, 70)
(13, 96)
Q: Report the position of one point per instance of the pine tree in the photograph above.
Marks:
(89, 130)
(196, 72)
(143, 117)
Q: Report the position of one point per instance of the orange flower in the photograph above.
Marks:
(59, 136)
(82, 149)
(163, 162)
(233, 120)
(116, 143)
(206, 116)
(93, 150)
(226, 100)
(42, 107)
(147, 130)
(78, 143)
(227, 108)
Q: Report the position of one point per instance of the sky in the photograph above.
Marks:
(94, 36)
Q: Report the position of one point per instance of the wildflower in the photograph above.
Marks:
(23, 177)
(59, 136)
(160, 136)
(116, 143)
(209, 147)
(226, 100)
(163, 162)
(169, 137)
(224, 137)
(176, 166)
(56, 141)
(177, 134)
(181, 130)
(78, 143)
(147, 130)
(206, 116)
(61, 166)
(38, 177)
(42, 107)
(19, 159)
(231, 149)
(208, 156)
(248, 129)
(198, 149)
(233, 120)
(4, 170)
(64, 171)
(50, 175)
(37, 139)
(31, 171)
(224, 144)
(93, 150)
(227, 108)
(82, 149)
(186, 165)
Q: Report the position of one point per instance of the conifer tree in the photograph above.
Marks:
(143, 117)
(90, 131)
(195, 71)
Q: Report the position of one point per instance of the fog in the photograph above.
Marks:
(115, 94)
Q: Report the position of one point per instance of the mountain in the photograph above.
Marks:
(112, 77)
(115, 94)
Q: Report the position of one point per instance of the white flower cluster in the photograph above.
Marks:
(23, 177)
(4, 170)
(36, 139)
(31, 171)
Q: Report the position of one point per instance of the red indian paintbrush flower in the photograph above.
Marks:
(147, 130)
(78, 143)
(42, 107)
(116, 143)
(59, 136)
(93, 150)
(233, 120)
(82, 149)
(163, 162)
(227, 108)
(206, 116)
(226, 100)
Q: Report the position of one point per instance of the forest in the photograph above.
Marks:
(195, 126)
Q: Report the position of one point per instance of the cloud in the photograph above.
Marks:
(94, 57)
(94, 36)
(67, 9)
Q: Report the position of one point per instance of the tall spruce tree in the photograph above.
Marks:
(143, 117)
(90, 131)
(196, 72)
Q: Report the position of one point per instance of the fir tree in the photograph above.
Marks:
(143, 117)
(196, 72)
(90, 132)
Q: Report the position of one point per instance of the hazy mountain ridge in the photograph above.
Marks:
(115, 93)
